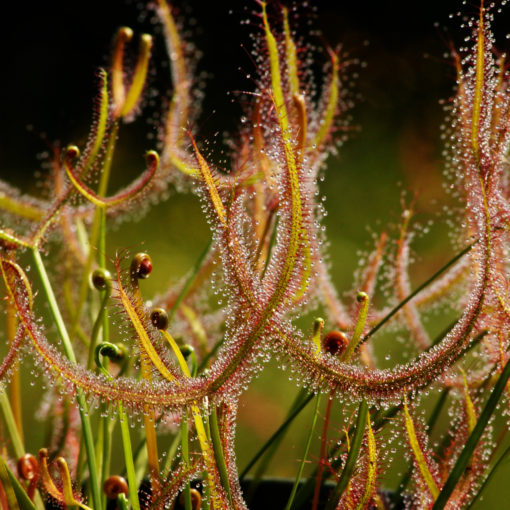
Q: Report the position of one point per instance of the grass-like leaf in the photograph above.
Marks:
(276, 435)
(305, 455)
(352, 458)
(418, 289)
(504, 459)
(15, 493)
(473, 439)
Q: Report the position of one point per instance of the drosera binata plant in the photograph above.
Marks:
(267, 257)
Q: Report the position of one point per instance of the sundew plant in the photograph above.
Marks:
(166, 375)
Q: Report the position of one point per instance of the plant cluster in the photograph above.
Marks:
(183, 362)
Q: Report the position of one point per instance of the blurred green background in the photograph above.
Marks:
(52, 50)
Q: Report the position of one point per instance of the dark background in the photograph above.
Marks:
(51, 50)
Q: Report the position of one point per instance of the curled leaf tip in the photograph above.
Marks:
(196, 499)
(141, 266)
(159, 318)
(146, 39)
(187, 350)
(27, 466)
(152, 158)
(115, 485)
(72, 152)
(362, 297)
(335, 343)
(101, 279)
(116, 353)
(125, 34)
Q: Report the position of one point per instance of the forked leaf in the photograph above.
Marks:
(133, 189)
(46, 479)
(430, 427)
(9, 265)
(17, 207)
(102, 118)
(178, 354)
(364, 301)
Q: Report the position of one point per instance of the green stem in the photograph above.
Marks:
(473, 439)
(279, 431)
(487, 480)
(170, 456)
(273, 448)
(305, 455)
(96, 226)
(113, 351)
(322, 455)
(99, 443)
(219, 456)
(352, 457)
(10, 422)
(105, 423)
(80, 398)
(122, 502)
(402, 303)
(128, 458)
(101, 260)
(185, 456)
(108, 425)
(101, 320)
